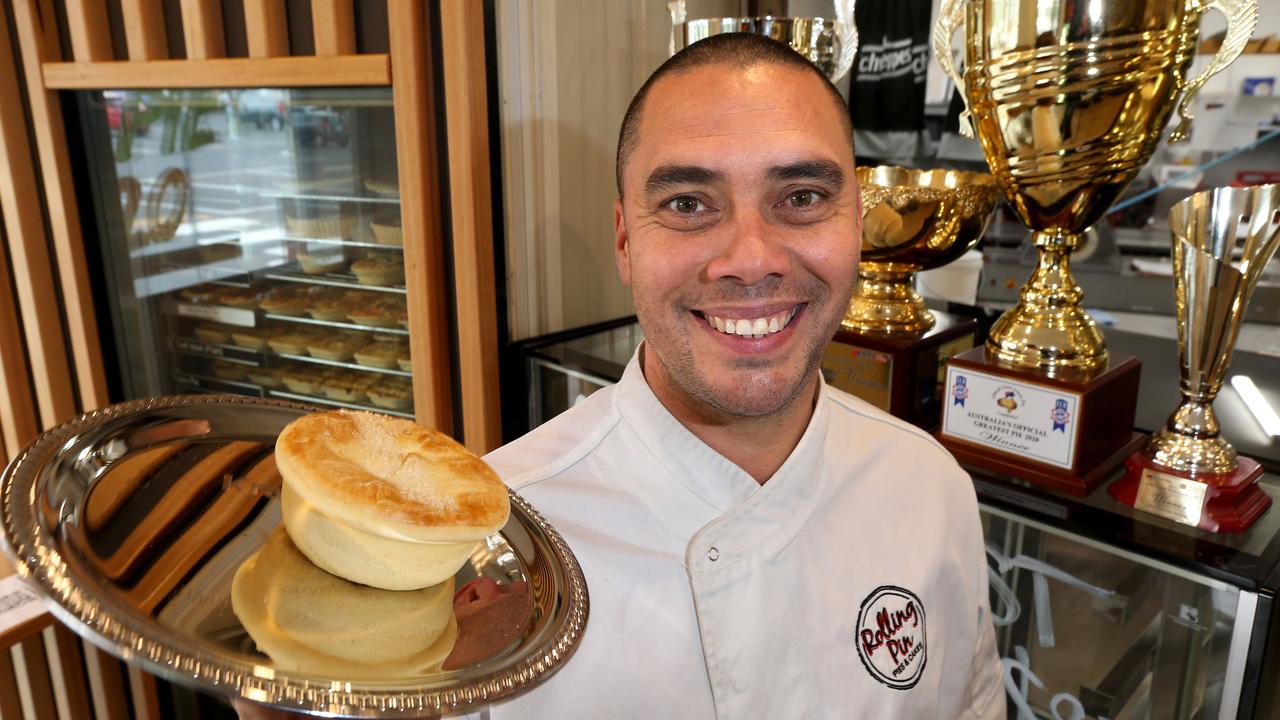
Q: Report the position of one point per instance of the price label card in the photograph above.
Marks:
(18, 603)
(1172, 497)
(217, 313)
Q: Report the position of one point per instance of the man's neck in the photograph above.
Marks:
(757, 445)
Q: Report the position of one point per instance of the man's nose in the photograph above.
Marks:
(753, 252)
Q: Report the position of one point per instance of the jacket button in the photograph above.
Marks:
(713, 554)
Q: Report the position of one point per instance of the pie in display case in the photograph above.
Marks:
(1100, 611)
(251, 242)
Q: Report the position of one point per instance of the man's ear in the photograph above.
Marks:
(621, 246)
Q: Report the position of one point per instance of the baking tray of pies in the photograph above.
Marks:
(132, 522)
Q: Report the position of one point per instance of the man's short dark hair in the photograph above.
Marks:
(735, 50)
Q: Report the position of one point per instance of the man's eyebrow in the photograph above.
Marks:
(820, 170)
(668, 176)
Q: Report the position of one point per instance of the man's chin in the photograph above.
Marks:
(754, 399)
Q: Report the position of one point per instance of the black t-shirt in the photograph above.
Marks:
(892, 62)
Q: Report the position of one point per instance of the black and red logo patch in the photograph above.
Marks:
(890, 636)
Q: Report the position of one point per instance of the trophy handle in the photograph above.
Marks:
(678, 16)
(847, 31)
(1242, 19)
(950, 19)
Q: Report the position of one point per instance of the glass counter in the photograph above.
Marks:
(251, 242)
(1101, 611)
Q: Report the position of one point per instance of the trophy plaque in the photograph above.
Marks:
(890, 348)
(1068, 105)
(1187, 472)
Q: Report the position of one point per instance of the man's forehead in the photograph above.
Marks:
(714, 94)
(770, 111)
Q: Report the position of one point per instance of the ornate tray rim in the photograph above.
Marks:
(40, 564)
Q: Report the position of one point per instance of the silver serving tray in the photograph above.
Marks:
(143, 568)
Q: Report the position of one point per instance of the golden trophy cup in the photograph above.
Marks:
(890, 348)
(1068, 100)
(1187, 472)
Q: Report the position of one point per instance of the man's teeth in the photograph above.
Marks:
(753, 327)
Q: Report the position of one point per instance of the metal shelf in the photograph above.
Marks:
(341, 364)
(335, 324)
(206, 382)
(367, 199)
(340, 241)
(338, 403)
(342, 280)
(256, 358)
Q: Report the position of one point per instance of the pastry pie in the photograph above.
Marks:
(286, 300)
(382, 501)
(254, 338)
(293, 342)
(386, 229)
(239, 298)
(348, 386)
(224, 370)
(380, 354)
(303, 379)
(333, 309)
(392, 393)
(266, 377)
(381, 312)
(215, 333)
(379, 270)
(323, 261)
(335, 347)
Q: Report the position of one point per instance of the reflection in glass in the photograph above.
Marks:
(252, 242)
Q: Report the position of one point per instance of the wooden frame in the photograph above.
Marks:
(333, 23)
(266, 28)
(33, 271)
(144, 29)
(475, 299)
(302, 71)
(33, 30)
(202, 29)
(87, 26)
(420, 213)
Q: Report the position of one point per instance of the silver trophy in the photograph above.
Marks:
(1210, 229)
(829, 44)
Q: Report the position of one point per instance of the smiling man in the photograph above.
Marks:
(756, 544)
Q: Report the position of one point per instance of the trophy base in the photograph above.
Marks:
(1065, 431)
(901, 375)
(1226, 503)
(1051, 478)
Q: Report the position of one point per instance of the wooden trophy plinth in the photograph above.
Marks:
(1226, 503)
(900, 375)
(1066, 432)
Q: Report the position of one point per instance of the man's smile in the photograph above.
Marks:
(751, 329)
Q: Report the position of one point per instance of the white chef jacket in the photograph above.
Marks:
(714, 596)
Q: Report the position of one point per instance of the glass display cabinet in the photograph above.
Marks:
(251, 242)
(1100, 611)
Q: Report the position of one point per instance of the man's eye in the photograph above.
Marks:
(802, 198)
(685, 205)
